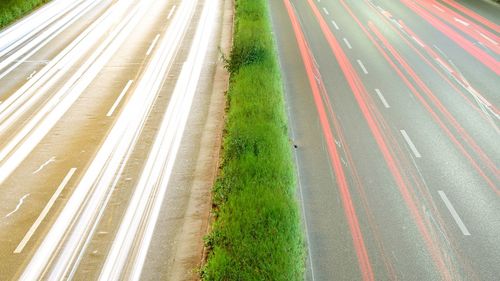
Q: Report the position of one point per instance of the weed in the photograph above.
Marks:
(256, 234)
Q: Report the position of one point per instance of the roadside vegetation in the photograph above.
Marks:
(11, 10)
(257, 233)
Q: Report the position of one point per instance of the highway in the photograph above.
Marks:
(110, 121)
(393, 109)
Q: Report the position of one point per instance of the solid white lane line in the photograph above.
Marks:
(153, 45)
(362, 67)
(335, 25)
(120, 97)
(382, 98)
(410, 144)
(347, 43)
(21, 201)
(171, 12)
(301, 198)
(326, 11)
(454, 213)
(44, 212)
(461, 22)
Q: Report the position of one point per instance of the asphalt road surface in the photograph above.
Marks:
(108, 128)
(393, 107)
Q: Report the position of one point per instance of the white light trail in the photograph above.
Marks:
(19, 147)
(40, 40)
(44, 212)
(144, 208)
(60, 251)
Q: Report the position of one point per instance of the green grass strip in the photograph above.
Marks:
(11, 10)
(257, 233)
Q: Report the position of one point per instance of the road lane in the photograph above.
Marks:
(326, 245)
(150, 48)
(389, 215)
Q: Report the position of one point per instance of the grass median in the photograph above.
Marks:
(11, 10)
(257, 233)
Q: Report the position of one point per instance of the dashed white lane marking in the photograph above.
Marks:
(462, 22)
(31, 75)
(44, 212)
(335, 25)
(52, 159)
(120, 97)
(382, 98)
(171, 12)
(454, 213)
(153, 45)
(347, 43)
(326, 11)
(410, 144)
(362, 67)
(21, 201)
(488, 38)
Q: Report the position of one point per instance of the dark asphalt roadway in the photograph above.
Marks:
(394, 108)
